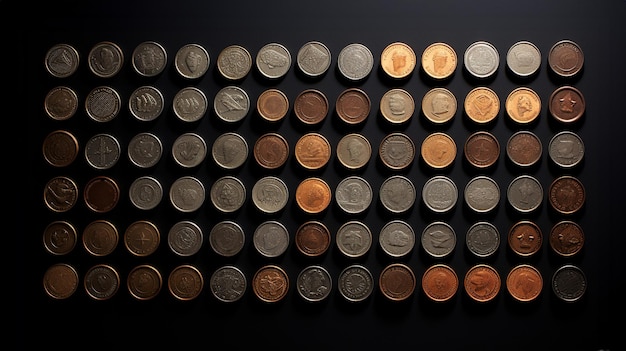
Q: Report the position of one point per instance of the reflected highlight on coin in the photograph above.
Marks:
(62, 60)
(354, 151)
(398, 60)
(438, 150)
(524, 148)
(101, 282)
(192, 61)
(566, 58)
(482, 283)
(144, 282)
(569, 283)
(312, 238)
(566, 149)
(481, 59)
(185, 282)
(234, 62)
(439, 60)
(524, 283)
(272, 105)
(313, 195)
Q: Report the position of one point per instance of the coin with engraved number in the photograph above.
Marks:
(271, 239)
(60, 281)
(191, 61)
(59, 238)
(272, 105)
(185, 238)
(102, 151)
(270, 283)
(62, 60)
(354, 239)
(312, 238)
(354, 151)
(567, 104)
(355, 62)
(525, 238)
(145, 192)
(311, 106)
(566, 195)
(523, 58)
(569, 283)
(439, 105)
(525, 193)
(101, 282)
(524, 148)
(523, 105)
(149, 58)
(227, 238)
(396, 151)
(146, 103)
(355, 283)
(438, 239)
(100, 238)
(228, 284)
(103, 104)
(142, 238)
(61, 103)
(397, 106)
(312, 151)
(482, 283)
(481, 59)
(397, 238)
(314, 58)
(231, 104)
(439, 60)
(524, 283)
(234, 62)
(353, 106)
(397, 194)
(314, 283)
(398, 60)
(60, 148)
(440, 194)
(271, 150)
(440, 282)
(482, 239)
(60, 194)
(313, 195)
(187, 194)
(482, 149)
(566, 149)
(353, 194)
(270, 194)
(145, 150)
(144, 282)
(185, 282)
(397, 282)
(189, 150)
(566, 58)
(229, 150)
(228, 194)
(189, 104)
(438, 150)
(101, 194)
(273, 60)
(567, 238)
(105, 59)
(482, 194)
(482, 105)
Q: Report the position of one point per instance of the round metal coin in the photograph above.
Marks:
(525, 193)
(398, 60)
(103, 104)
(271, 239)
(271, 150)
(397, 151)
(185, 282)
(524, 283)
(227, 238)
(397, 238)
(62, 60)
(482, 105)
(312, 238)
(60, 281)
(355, 283)
(482, 283)
(101, 194)
(524, 148)
(566, 58)
(523, 105)
(60, 194)
(105, 59)
(569, 283)
(145, 150)
(270, 194)
(61, 103)
(482, 194)
(439, 60)
(397, 194)
(101, 282)
(273, 60)
(146, 103)
(440, 194)
(102, 151)
(145, 193)
(144, 282)
(59, 238)
(482, 149)
(149, 58)
(189, 150)
(190, 104)
(231, 104)
(482, 239)
(187, 194)
(525, 238)
(566, 149)
(100, 238)
(523, 58)
(312, 151)
(234, 62)
(314, 58)
(311, 106)
(567, 104)
(354, 239)
(353, 106)
(270, 283)
(566, 195)
(397, 106)
(354, 151)
(481, 59)
(228, 284)
(272, 105)
(185, 238)
(142, 238)
(438, 239)
(313, 195)
(60, 148)
(439, 105)
(355, 62)
(353, 194)
(438, 150)
(566, 238)
(228, 194)
(440, 282)
(314, 283)
(397, 282)
(191, 61)
(230, 150)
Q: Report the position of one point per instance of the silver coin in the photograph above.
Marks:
(354, 239)
(397, 194)
(145, 192)
(566, 149)
(189, 150)
(234, 62)
(192, 61)
(354, 151)
(227, 238)
(187, 194)
(397, 151)
(61, 103)
(145, 150)
(228, 194)
(482, 194)
(482, 239)
(438, 239)
(523, 58)
(149, 59)
(273, 60)
(569, 283)
(230, 150)
(355, 283)
(231, 104)
(397, 238)
(525, 193)
(103, 104)
(228, 284)
(314, 283)
(185, 238)
(397, 106)
(271, 238)
(105, 59)
(270, 194)
(440, 194)
(353, 194)
(102, 151)
(355, 61)
(190, 104)
(146, 103)
(314, 58)
(481, 59)
(62, 60)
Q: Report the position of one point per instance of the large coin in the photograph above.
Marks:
(146, 103)
(270, 194)
(438, 239)
(314, 58)
(185, 238)
(440, 194)
(311, 106)
(439, 60)
(524, 148)
(439, 105)
(525, 193)
(397, 282)
(566, 149)
(102, 151)
(144, 282)
(228, 284)
(482, 105)
(354, 151)
(482, 194)
(566, 58)
(525, 238)
(192, 61)
(397, 151)
(227, 238)
(101, 194)
(60, 237)
(234, 62)
(185, 282)
(190, 104)
(353, 106)
(142, 238)
(145, 150)
(271, 150)
(523, 58)
(397, 194)
(61, 103)
(272, 105)
(481, 59)
(189, 150)
(103, 104)
(353, 194)
(312, 151)
(60, 281)
(145, 192)
(231, 104)
(314, 283)
(313, 195)
(101, 282)
(273, 60)
(60, 194)
(566, 195)
(397, 106)
(270, 283)
(355, 283)
(62, 60)
(354, 239)
(228, 194)
(397, 238)
(567, 104)
(355, 61)
(187, 194)
(566, 238)
(482, 239)
(482, 283)
(438, 150)
(482, 149)
(60, 148)
(100, 238)
(271, 239)
(230, 150)
(440, 282)
(105, 59)
(524, 283)
(398, 60)
(523, 105)
(569, 283)
(149, 58)
(312, 238)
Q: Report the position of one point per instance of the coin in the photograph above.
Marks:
(355, 62)
(189, 150)
(314, 58)
(440, 282)
(102, 151)
(354, 151)
(271, 150)
(482, 149)
(524, 283)
(61, 103)
(523, 58)
(525, 238)
(190, 104)
(272, 105)
(60, 148)
(439, 105)
(270, 283)
(103, 104)
(273, 60)
(62, 60)
(353, 106)
(438, 150)
(145, 150)
(482, 194)
(145, 192)
(438, 239)
(270, 194)
(524, 148)
(566, 238)
(271, 239)
(185, 282)
(566, 58)
(313, 195)
(144, 282)
(354, 239)
(100, 238)
(525, 193)
(396, 151)
(481, 59)
(142, 238)
(312, 238)
(397, 194)
(397, 282)
(60, 281)
(397, 106)
(312, 151)
(149, 58)
(187, 194)
(482, 283)
(398, 60)
(101, 194)
(101, 282)
(355, 283)
(230, 150)
(439, 60)
(60, 194)
(567, 104)
(566, 195)
(523, 105)
(353, 194)
(146, 103)
(440, 194)
(569, 283)
(105, 59)
(397, 238)
(191, 61)
(185, 238)
(311, 106)
(566, 149)
(314, 283)
(228, 194)
(234, 62)
(227, 238)
(482, 239)
(231, 104)
(59, 238)
(228, 284)
(482, 105)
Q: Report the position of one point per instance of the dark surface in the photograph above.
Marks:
(545, 324)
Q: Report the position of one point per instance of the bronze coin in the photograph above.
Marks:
(144, 282)
(566, 58)
(313, 195)
(60, 237)
(101, 194)
(270, 283)
(567, 238)
(271, 150)
(482, 149)
(524, 283)
(567, 104)
(60, 148)
(272, 105)
(312, 151)
(524, 148)
(353, 106)
(185, 282)
(523, 105)
(439, 60)
(100, 237)
(60, 281)
(438, 150)
(567, 195)
(525, 238)
(482, 283)
(398, 60)
(397, 282)
(313, 238)
(482, 105)
(440, 282)
(311, 106)
(142, 238)
(60, 194)
(101, 282)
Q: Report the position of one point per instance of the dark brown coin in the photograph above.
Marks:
(569, 283)
(144, 282)
(353, 106)
(185, 282)
(142, 238)
(271, 150)
(60, 194)
(567, 104)
(101, 194)
(440, 283)
(567, 238)
(524, 283)
(482, 149)
(102, 282)
(60, 148)
(100, 237)
(566, 58)
(311, 106)
(313, 238)
(567, 195)
(397, 282)
(60, 237)
(60, 281)
(270, 283)
(524, 148)
(525, 238)
(482, 283)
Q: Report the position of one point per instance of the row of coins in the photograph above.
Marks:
(355, 61)
(271, 283)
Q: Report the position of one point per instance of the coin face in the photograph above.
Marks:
(482, 149)
(567, 104)
(439, 60)
(566, 58)
(61, 103)
(523, 105)
(146, 103)
(481, 59)
(353, 106)
(523, 58)
(231, 104)
(272, 105)
(101, 282)
(187, 194)
(59, 238)
(525, 193)
(145, 193)
(185, 282)
(354, 239)
(273, 60)
(353, 194)
(524, 148)
(311, 106)
(397, 238)
(190, 104)
(482, 239)
(228, 194)
(145, 150)
(354, 151)
(397, 106)
(312, 238)
(60, 148)
(100, 238)
(438, 239)
(230, 150)
(189, 150)
(355, 62)
(439, 105)
(60, 281)
(396, 151)
(185, 238)
(103, 104)
(101, 194)
(271, 239)
(355, 283)
(271, 150)
(438, 150)
(569, 283)
(397, 282)
(440, 283)
(524, 283)
(566, 195)
(397, 194)
(228, 284)
(105, 59)
(227, 238)
(312, 151)
(144, 282)
(270, 283)
(566, 238)
(234, 62)
(525, 238)
(270, 194)
(482, 105)
(313, 195)
(192, 61)
(566, 149)
(60, 194)
(440, 194)
(149, 58)
(102, 151)
(142, 238)
(314, 58)
(482, 283)
(482, 194)
(314, 283)
(62, 60)
(398, 60)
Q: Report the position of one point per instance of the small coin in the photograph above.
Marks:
(525, 238)
(312, 238)
(525, 193)
(438, 150)
(191, 61)
(230, 150)
(566, 195)
(438, 239)
(311, 106)
(62, 60)
(354, 239)
(397, 238)
(60, 148)
(146, 103)
(105, 59)
(355, 62)
(482, 149)
(228, 194)
(397, 106)
(101, 194)
(60, 194)
(482, 194)
(271, 239)
(353, 194)
(314, 283)
(271, 150)
(101, 282)
(185, 282)
(187, 194)
(397, 282)
(228, 284)
(313, 195)
(231, 104)
(185, 238)
(234, 62)
(397, 151)
(144, 282)
(482, 105)
(190, 104)
(102, 151)
(227, 238)
(354, 151)
(149, 58)
(145, 193)
(569, 283)
(273, 60)
(189, 150)
(270, 283)
(567, 104)
(142, 238)
(145, 150)
(523, 105)
(439, 105)
(398, 60)
(314, 58)
(482, 283)
(270, 194)
(272, 105)
(566, 238)
(440, 282)
(60, 281)
(61, 103)
(439, 60)
(524, 148)
(566, 149)
(566, 58)
(524, 283)
(440, 194)
(312, 151)
(397, 194)
(100, 238)
(103, 104)
(481, 59)
(355, 283)
(523, 58)
(482, 239)
(59, 238)
(353, 106)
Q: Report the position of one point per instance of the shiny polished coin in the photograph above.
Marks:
(314, 58)
(524, 283)
(228, 284)
(482, 283)
(525, 238)
(272, 105)
(101, 194)
(271, 239)
(397, 106)
(145, 150)
(397, 194)
(185, 282)
(397, 282)
(145, 192)
(566, 58)
(355, 283)
(566, 149)
(227, 238)
(398, 60)
(313, 195)
(438, 239)
(314, 283)
(566, 238)
(523, 58)
(231, 104)
(566, 195)
(62, 60)
(189, 150)
(146, 103)
(354, 151)
(353, 106)
(270, 283)
(312, 238)
(311, 106)
(523, 105)
(273, 60)
(440, 194)
(482, 194)
(438, 150)
(191, 61)
(353, 194)
(60, 148)
(228, 194)
(271, 150)
(524, 148)
(482, 105)
(439, 105)
(230, 150)
(440, 282)
(100, 238)
(189, 104)
(149, 58)
(185, 238)
(396, 151)
(397, 238)
(187, 194)
(105, 59)
(525, 193)
(60, 194)
(102, 151)
(482, 149)
(61, 103)
(355, 62)
(270, 194)
(59, 238)
(101, 282)
(312, 151)
(103, 104)
(234, 62)
(569, 283)
(60, 281)
(142, 238)
(354, 239)
(567, 104)
(439, 60)
(482, 239)
(481, 59)
(144, 282)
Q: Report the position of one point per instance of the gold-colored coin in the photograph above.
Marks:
(313, 151)
(272, 105)
(482, 105)
(439, 105)
(439, 60)
(398, 60)
(313, 195)
(438, 150)
(523, 105)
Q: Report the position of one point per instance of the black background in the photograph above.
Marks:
(546, 324)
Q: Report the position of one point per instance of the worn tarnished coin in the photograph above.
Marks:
(482, 194)
(228, 194)
(397, 282)
(524, 283)
(192, 61)
(397, 151)
(482, 239)
(524, 148)
(354, 151)
(523, 58)
(355, 283)
(61, 103)
(312, 238)
(569, 283)
(273, 60)
(566, 238)
(149, 58)
(144, 282)
(62, 60)
(354, 239)
(102, 151)
(60, 148)
(439, 105)
(397, 194)
(228, 283)
(481, 59)
(397, 238)
(187, 194)
(60, 237)
(189, 150)
(101, 282)
(439, 60)
(482, 105)
(314, 58)
(60, 194)
(566, 195)
(60, 281)
(230, 150)
(271, 150)
(482, 283)
(355, 62)
(231, 104)
(313, 195)
(312, 151)
(101, 194)
(227, 238)
(353, 106)
(525, 238)
(145, 150)
(353, 194)
(189, 104)
(438, 239)
(314, 283)
(271, 239)
(103, 104)
(100, 238)
(566, 149)
(566, 58)
(398, 60)
(272, 105)
(270, 194)
(270, 283)
(438, 150)
(440, 194)
(397, 106)
(234, 62)
(105, 59)
(145, 192)
(440, 282)
(525, 193)
(142, 238)
(185, 282)
(482, 149)
(311, 106)
(185, 238)
(523, 105)
(567, 104)
(146, 103)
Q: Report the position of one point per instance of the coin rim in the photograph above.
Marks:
(366, 142)
(150, 268)
(509, 52)
(576, 180)
(552, 231)
(433, 254)
(488, 135)
(367, 230)
(575, 71)
(265, 93)
(491, 269)
(553, 113)
(56, 47)
(451, 49)
(509, 276)
(492, 181)
(574, 135)
(411, 53)
(427, 113)
(256, 156)
(342, 117)
(320, 137)
(282, 272)
(527, 176)
(132, 250)
(325, 272)
(496, 247)
(405, 267)
(492, 93)
(537, 230)
(267, 75)
(447, 268)
(220, 68)
(531, 92)
(554, 282)
(300, 53)
(324, 230)
(426, 159)
(319, 181)
(475, 74)
(214, 275)
(385, 248)
(534, 136)
(169, 282)
(160, 70)
(74, 275)
(177, 60)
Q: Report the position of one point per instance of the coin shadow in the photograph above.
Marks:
(557, 126)
(475, 216)
(513, 168)
(391, 82)
(523, 308)
(512, 256)
(561, 80)
(515, 126)
(520, 80)
(479, 81)
(472, 126)
(260, 125)
(436, 310)
(473, 171)
(389, 310)
(476, 308)
(301, 127)
(342, 127)
(432, 82)
(307, 78)
(431, 127)
(557, 171)
(223, 81)
(349, 82)
(265, 81)
(389, 127)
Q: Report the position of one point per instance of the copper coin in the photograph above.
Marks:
(59, 237)
(313, 195)
(311, 106)
(270, 283)
(271, 150)
(440, 282)
(525, 238)
(523, 105)
(439, 60)
(185, 282)
(398, 60)
(60, 194)
(397, 151)
(524, 148)
(142, 238)
(397, 282)
(482, 149)
(353, 106)
(567, 104)
(438, 150)
(100, 237)
(482, 283)
(60, 281)
(566, 58)
(144, 282)
(101, 282)
(60, 148)
(312, 151)
(566, 194)
(272, 105)
(567, 238)
(313, 238)
(524, 283)
(482, 105)
(101, 194)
